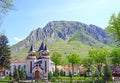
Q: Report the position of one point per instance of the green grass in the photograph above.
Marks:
(65, 48)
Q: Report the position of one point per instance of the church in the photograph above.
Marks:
(35, 67)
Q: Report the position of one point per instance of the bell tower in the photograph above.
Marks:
(43, 51)
(44, 55)
(30, 61)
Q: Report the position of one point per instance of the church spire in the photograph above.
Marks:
(43, 51)
(31, 49)
(31, 53)
(41, 47)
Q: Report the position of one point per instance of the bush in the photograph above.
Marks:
(53, 79)
(50, 75)
(56, 73)
(61, 73)
(70, 74)
(7, 77)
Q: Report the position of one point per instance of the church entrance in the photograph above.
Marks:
(37, 74)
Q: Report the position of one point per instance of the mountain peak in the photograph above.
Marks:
(66, 31)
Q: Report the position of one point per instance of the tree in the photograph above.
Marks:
(56, 73)
(56, 58)
(107, 73)
(22, 73)
(5, 6)
(16, 75)
(4, 52)
(10, 75)
(61, 72)
(87, 62)
(115, 56)
(114, 27)
(73, 59)
(99, 57)
(49, 75)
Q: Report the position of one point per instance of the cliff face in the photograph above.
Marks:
(66, 31)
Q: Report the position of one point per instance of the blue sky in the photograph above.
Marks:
(31, 14)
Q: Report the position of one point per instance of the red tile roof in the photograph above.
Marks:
(21, 60)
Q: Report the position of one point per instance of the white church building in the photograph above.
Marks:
(35, 67)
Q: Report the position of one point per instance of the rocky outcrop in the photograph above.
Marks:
(65, 30)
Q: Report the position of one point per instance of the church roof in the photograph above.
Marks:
(31, 49)
(45, 47)
(22, 60)
(42, 47)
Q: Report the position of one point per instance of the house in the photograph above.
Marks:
(34, 67)
(78, 70)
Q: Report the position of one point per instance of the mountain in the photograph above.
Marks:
(65, 37)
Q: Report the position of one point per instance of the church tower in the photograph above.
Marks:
(44, 55)
(30, 61)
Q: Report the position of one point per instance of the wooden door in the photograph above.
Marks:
(37, 74)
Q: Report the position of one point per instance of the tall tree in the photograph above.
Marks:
(4, 52)
(56, 58)
(107, 72)
(73, 59)
(114, 27)
(16, 74)
(22, 73)
(99, 57)
(115, 56)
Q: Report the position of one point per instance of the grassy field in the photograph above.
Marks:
(65, 48)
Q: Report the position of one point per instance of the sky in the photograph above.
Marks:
(32, 14)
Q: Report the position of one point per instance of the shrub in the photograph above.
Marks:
(56, 73)
(50, 75)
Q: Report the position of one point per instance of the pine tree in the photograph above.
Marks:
(22, 73)
(49, 75)
(16, 74)
(4, 52)
(107, 73)
(56, 73)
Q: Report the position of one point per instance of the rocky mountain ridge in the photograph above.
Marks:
(66, 31)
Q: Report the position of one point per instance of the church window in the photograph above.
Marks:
(45, 66)
(30, 66)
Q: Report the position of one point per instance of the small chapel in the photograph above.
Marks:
(34, 67)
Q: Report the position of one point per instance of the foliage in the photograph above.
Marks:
(56, 58)
(61, 72)
(114, 27)
(10, 75)
(56, 73)
(87, 62)
(4, 52)
(98, 56)
(107, 73)
(73, 59)
(115, 56)
(50, 75)
(22, 73)
(6, 5)
(16, 75)
(70, 74)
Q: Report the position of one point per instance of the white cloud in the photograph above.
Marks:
(18, 39)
